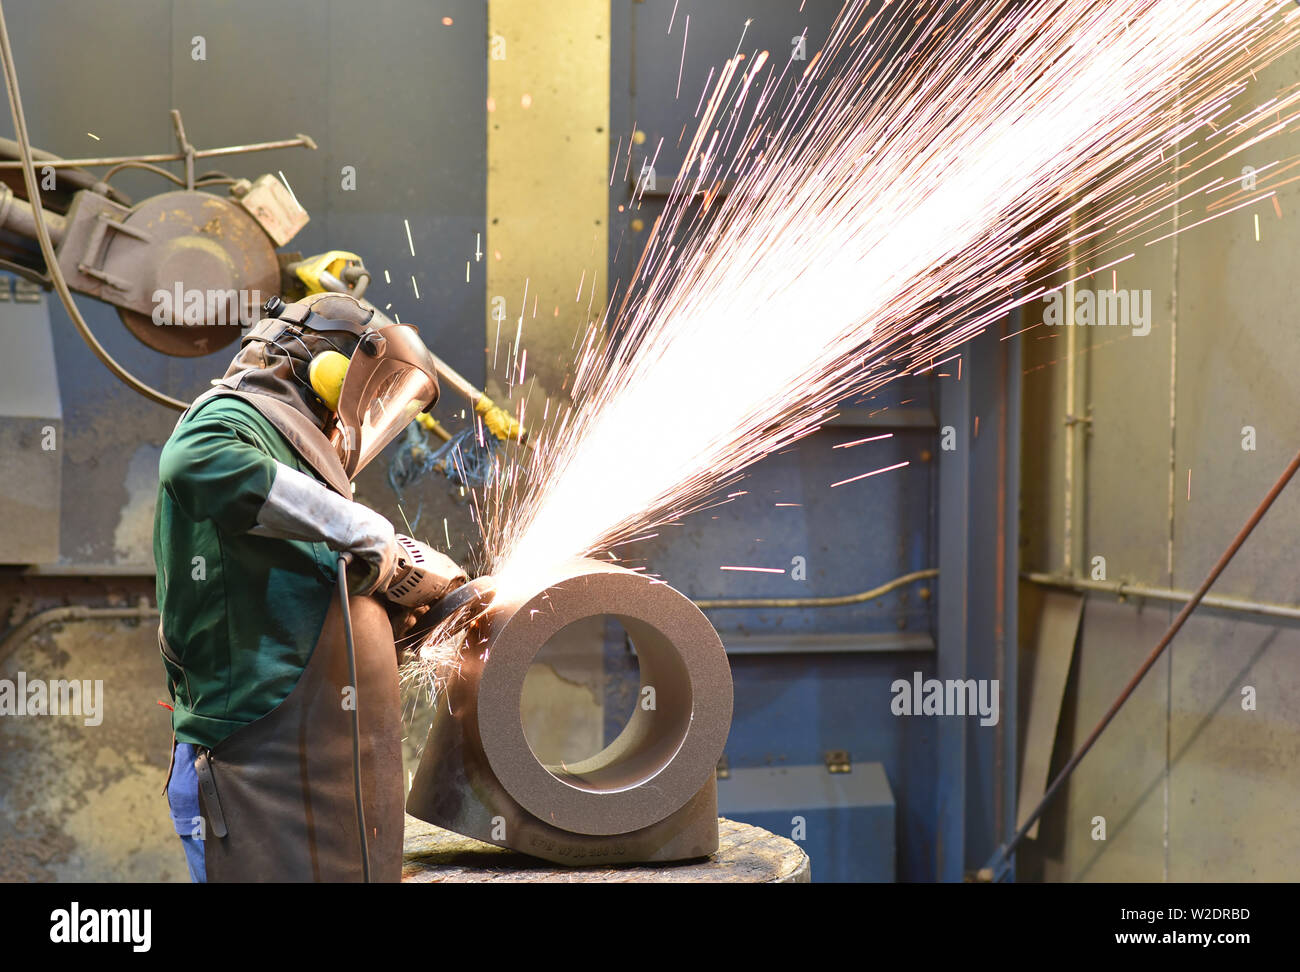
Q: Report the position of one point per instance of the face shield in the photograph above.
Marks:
(390, 379)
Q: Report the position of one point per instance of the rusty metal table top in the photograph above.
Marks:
(746, 855)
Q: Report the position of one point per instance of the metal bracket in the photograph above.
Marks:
(186, 148)
(838, 761)
(97, 249)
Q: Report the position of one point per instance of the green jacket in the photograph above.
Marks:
(240, 613)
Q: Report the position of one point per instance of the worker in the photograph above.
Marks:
(254, 508)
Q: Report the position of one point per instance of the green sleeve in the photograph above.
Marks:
(216, 468)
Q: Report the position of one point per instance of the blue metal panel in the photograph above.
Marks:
(956, 413)
(978, 513)
(849, 538)
(843, 821)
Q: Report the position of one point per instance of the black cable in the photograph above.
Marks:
(148, 167)
(344, 560)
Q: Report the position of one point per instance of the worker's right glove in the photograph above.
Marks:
(300, 508)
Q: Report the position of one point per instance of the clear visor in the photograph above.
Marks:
(383, 392)
(399, 397)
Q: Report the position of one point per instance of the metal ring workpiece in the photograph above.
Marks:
(670, 746)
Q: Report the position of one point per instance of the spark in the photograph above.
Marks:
(1206, 220)
(839, 224)
(409, 531)
(1004, 130)
(758, 570)
(686, 32)
(409, 242)
(876, 472)
(858, 442)
(292, 195)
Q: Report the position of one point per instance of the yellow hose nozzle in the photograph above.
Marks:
(498, 421)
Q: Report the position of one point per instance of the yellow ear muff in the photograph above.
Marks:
(326, 373)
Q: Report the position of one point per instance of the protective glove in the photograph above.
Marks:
(300, 508)
(405, 622)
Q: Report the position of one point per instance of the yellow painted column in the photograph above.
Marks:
(546, 251)
(547, 188)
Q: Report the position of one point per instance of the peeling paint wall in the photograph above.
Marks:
(84, 802)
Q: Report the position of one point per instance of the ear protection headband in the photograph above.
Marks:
(326, 369)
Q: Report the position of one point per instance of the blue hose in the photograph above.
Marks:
(463, 459)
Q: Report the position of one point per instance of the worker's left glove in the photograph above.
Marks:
(405, 621)
(300, 508)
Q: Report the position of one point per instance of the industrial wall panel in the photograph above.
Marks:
(794, 705)
(843, 821)
(1198, 785)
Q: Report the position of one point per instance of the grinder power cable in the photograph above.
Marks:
(424, 577)
(346, 610)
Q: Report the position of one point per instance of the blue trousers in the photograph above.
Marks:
(183, 799)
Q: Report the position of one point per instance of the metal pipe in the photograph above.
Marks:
(302, 141)
(1122, 590)
(141, 612)
(1071, 427)
(814, 602)
(16, 214)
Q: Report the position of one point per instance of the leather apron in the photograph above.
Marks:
(277, 794)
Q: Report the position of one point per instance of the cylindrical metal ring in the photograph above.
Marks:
(671, 745)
